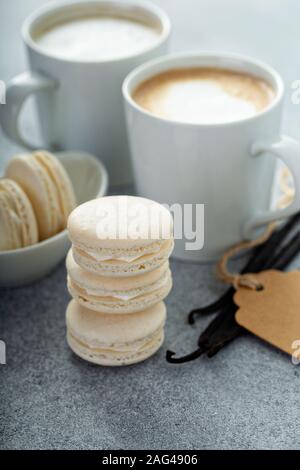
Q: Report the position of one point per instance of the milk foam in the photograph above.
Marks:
(97, 38)
(204, 96)
(203, 102)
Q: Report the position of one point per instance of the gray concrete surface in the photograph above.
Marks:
(246, 397)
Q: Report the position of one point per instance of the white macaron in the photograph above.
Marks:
(18, 226)
(118, 294)
(121, 235)
(115, 340)
(48, 187)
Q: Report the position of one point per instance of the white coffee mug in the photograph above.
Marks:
(228, 167)
(80, 102)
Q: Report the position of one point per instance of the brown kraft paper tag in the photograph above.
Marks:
(273, 313)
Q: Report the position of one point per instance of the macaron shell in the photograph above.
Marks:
(143, 264)
(113, 305)
(101, 330)
(41, 191)
(119, 254)
(114, 358)
(98, 283)
(101, 223)
(23, 209)
(10, 226)
(61, 180)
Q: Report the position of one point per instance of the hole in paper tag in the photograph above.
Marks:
(273, 313)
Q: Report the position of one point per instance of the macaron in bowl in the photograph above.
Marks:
(46, 186)
(18, 225)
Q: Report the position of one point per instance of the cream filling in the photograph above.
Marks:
(128, 348)
(99, 257)
(129, 295)
(106, 255)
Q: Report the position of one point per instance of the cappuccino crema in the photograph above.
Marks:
(204, 95)
(97, 38)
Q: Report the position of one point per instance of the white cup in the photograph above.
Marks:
(227, 167)
(80, 103)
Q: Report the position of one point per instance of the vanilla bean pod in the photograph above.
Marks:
(256, 261)
(227, 338)
(223, 329)
(286, 254)
(230, 329)
(211, 308)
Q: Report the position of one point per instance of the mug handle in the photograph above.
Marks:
(288, 150)
(18, 90)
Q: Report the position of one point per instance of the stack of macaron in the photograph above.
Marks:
(118, 276)
(36, 198)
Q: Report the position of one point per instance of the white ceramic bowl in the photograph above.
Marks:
(26, 265)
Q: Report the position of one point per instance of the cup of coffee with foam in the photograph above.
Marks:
(204, 129)
(79, 54)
